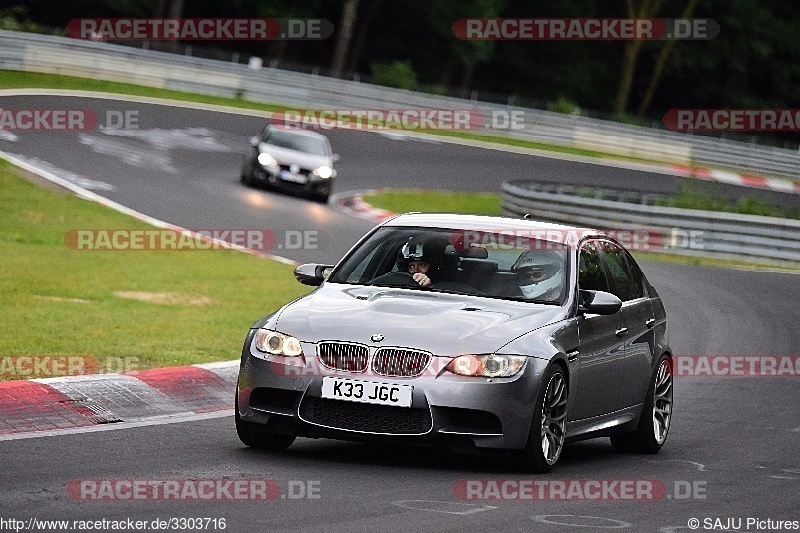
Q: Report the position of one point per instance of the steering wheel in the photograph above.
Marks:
(403, 279)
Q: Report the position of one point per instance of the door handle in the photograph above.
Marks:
(649, 322)
(621, 331)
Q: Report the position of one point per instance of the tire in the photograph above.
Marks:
(548, 427)
(246, 175)
(253, 436)
(651, 432)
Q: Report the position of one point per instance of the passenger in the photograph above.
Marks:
(539, 274)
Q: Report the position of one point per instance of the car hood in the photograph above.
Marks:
(286, 156)
(444, 324)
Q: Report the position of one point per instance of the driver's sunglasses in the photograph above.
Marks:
(535, 274)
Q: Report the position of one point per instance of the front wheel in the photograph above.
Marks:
(246, 174)
(651, 433)
(253, 436)
(549, 427)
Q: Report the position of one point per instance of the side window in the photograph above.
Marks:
(357, 275)
(636, 274)
(591, 275)
(623, 283)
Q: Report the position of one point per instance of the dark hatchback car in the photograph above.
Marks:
(293, 160)
(519, 337)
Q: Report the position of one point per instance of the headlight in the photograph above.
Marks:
(276, 343)
(324, 172)
(490, 366)
(267, 160)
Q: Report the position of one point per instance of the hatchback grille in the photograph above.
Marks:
(288, 168)
(366, 417)
(343, 356)
(399, 362)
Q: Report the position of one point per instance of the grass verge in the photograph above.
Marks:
(692, 196)
(13, 79)
(59, 301)
(402, 201)
(702, 196)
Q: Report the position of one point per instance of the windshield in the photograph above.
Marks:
(479, 263)
(301, 143)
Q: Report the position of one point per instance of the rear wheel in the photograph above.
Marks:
(651, 433)
(254, 436)
(549, 427)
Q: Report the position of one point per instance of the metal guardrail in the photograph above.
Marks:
(656, 228)
(44, 53)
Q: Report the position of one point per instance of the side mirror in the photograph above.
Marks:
(336, 157)
(312, 274)
(598, 303)
(254, 141)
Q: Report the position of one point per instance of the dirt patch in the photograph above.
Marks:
(59, 299)
(165, 298)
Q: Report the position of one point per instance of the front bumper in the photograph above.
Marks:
(313, 185)
(466, 414)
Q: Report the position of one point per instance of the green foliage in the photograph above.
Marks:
(473, 203)
(434, 89)
(398, 74)
(16, 18)
(564, 105)
(694, 195)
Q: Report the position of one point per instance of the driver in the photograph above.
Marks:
(418, 259)
(539, 274)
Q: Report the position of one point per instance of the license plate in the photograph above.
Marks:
(296, 178)
(366, 391)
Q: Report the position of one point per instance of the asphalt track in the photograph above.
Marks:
(735, 440)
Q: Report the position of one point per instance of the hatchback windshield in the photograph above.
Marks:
(480, 263)
(294, 141)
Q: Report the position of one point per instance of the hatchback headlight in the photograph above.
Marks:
(267, 160)
(490, 366)
(275, 343)
(324, 172)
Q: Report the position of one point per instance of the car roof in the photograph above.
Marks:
(533, 228)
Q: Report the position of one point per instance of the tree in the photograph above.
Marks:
(644, 9)
(658, 71)
(468, 54)
(363, 32)
(346, 25)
